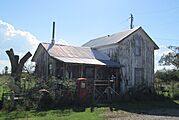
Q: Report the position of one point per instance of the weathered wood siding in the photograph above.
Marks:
(42, 64)
(136, 53)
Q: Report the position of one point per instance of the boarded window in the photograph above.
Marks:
(139, 76)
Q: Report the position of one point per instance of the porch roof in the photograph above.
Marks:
(88, 61)
(78, 55)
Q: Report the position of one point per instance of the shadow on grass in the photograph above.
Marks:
(165, 107)
(160, 106)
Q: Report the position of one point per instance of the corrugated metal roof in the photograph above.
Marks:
(80, 55)
(109, 39)
(80, 60)
(111, 63)
(58, 50)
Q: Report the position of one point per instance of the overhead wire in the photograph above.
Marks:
(124, 21)
(157, 11)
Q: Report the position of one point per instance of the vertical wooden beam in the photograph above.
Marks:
(81, 70)
(94, 90)
(64, 71)
(95, 72)
(54, 64)
(117, 81)
(47, 66)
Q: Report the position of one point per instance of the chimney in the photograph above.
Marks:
(53, 34)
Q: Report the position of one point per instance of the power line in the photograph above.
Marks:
(166, 38)
(157, 11)
(125, 20)
(131, 18)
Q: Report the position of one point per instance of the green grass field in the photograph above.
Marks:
(100, 111)
(67, 114)
(122, 108)
(3, 84)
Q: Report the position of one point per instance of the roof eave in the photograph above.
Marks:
(33, 58)
(155, 45)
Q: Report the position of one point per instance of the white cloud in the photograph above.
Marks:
(163, 50)
(4, 61)
(21, 41)
(61, 41)
(10, 32)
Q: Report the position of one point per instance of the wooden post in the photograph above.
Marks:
(95, 72)
(64, 70)
(93, 99)
(117, 81)
(81, 70)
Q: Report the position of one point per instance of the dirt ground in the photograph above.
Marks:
(157, 114)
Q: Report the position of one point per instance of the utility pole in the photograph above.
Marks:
(131, 21)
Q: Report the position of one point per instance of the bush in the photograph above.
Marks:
(45, 102)
(140, 93)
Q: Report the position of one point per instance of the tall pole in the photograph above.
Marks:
(132, 19)
(53, 33)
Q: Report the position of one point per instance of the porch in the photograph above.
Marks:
(102, 81)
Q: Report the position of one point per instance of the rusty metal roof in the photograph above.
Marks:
(80, 55)
(109, 39)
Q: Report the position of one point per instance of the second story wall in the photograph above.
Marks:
(136, 54)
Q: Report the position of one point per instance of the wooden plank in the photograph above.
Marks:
(100, 84)
(95, 72)
(101, 80)
(81, 70)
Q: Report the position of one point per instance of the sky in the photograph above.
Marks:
(24, 24)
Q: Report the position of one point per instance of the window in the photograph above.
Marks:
(50, 69)
(139, 76)
(89, 72)
(138, 44)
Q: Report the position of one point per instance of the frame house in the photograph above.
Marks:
(126, 57)
(70, 63)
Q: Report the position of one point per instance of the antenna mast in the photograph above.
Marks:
(131, 21)
(53, 34)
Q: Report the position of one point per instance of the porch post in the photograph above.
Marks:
(81, 70)
(95, 72)
(117, 80)
(64, 71)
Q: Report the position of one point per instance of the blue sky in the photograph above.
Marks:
(23, 24)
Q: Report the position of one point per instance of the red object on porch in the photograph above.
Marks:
(82, 90)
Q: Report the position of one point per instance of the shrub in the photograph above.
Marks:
(141, 92)
(45, 102)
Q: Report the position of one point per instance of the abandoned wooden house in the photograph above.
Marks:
(134, 50)
(126, 56)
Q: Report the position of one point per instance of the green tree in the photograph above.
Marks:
(167, 75)
(172, 58)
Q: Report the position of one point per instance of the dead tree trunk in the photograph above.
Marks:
(16, 65)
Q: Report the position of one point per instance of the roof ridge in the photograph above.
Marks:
(128, 32)
(56, 44)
